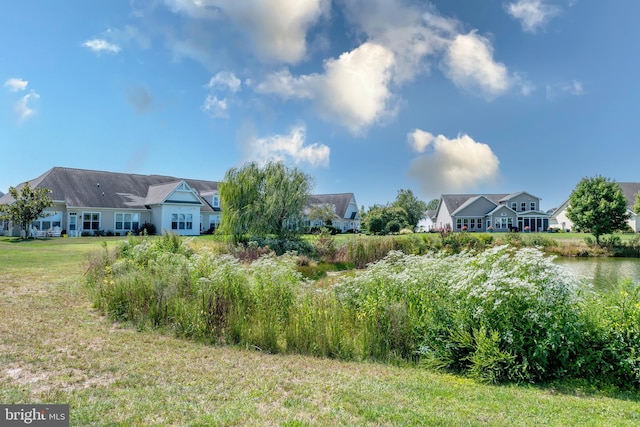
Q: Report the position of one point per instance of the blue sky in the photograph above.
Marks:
(366, 96)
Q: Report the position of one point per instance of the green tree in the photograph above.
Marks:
(636, 204)
(414, 208)
(598, 206)
(379, 216)
(433, 204)
(263, 201)
(28, 205)
(324, 212)
(375, 224)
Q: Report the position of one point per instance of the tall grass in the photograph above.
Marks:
(501, 314)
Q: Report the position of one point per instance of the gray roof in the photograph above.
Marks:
(99, 189)
(340, 201)
(512, 195)
(82, 188)
(630, 189)
(455, 201)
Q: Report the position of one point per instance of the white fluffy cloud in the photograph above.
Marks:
(353, 90)
(532, 14)
(289, 147)
(451, 165)
(224, 80)
(277, 29)
(216, 107)
(23, 107)
(470, 65)
(101, 45)
(419, 36)
(401, 40)
(15, 84)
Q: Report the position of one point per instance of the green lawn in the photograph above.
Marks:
(54, 348)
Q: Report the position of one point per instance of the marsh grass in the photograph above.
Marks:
(55, 348)
(503, 314)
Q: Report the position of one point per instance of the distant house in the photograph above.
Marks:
(560, 220)
(427, 222)
(345, 208)
(498, 212)
(89, 202)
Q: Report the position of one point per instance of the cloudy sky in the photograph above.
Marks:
(366, 96)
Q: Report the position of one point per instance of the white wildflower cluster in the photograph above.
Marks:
(141, 253)
(218, 271)
(497, 288)
(408, 279)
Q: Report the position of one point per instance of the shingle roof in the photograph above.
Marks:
(455, 201)
(159, 192)
(340, 201)
(630, 189)
(99, 189)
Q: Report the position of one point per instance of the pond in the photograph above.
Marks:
(603, 272)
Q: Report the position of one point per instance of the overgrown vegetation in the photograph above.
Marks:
(500, 314)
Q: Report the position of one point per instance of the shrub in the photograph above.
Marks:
(393, 226)
(325, 246)
(147, 229)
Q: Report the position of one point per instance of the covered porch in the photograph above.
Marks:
(534, 222)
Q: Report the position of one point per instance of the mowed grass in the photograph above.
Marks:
(55, 348)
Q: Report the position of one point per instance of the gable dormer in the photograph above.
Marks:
(172, 192)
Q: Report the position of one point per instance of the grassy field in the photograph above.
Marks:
(55, 348)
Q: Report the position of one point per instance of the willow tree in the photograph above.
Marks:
(263, 201)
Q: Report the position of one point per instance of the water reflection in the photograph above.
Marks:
(603, 273)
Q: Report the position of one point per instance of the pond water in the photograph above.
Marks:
(603, 272)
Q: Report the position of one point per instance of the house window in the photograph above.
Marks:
(73, 221)
(5, 225)
(523, 206)
(514, 206)
(216, 201)
(458, 223)
(533, 206)
(127, 221)
(48, 220)
(91, 220)
(181, 221)
(503, 223)
(472, 224)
